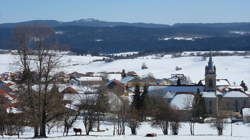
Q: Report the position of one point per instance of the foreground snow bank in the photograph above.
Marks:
(202, 132)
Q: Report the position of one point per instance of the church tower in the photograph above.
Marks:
(210, 75)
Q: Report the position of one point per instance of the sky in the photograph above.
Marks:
(148, 11)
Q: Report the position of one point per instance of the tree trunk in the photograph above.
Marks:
(220, 131)
(133, 130)
(43, 125)
(98, 122)
(165, 128)
(123, 127)
(36, 132)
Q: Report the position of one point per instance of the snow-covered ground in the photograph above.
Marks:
(202, 131)
(233, 68)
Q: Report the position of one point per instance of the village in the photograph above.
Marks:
(211, 94)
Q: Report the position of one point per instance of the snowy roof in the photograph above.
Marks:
(178, 89)
(210, 94)
(182, 101)
(70, 90)
(160, 91)
(114, 76)
(235, 94)
(90, 79)
(77, 98)
(127, 79)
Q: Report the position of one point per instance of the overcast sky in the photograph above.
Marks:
(150, 11)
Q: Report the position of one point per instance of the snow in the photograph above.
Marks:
(90, 79)
(124, 53)
(114, 76)
(240, 32)
(233, 68)
(180, 38)
(208, 94)
(235, 94)
(59, 32)
(182, 101)
(246, 111)
(99, 40)
(202, 131)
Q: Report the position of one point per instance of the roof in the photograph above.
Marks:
(209, 94)
(172, 91)
(131, 73)
(70, 90)
(127, 79)
(89, 78)
(8, 84)
(178, 89)
(235, 94)
(6, 94)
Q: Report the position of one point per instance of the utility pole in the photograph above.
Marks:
(231, 123)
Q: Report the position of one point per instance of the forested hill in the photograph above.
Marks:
(94, 36)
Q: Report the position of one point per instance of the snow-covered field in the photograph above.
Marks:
(233, 68)
(202, 131)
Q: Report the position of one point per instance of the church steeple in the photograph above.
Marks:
(210, 62)
(210, 75)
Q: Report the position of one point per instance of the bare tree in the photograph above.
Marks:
(3, 115)
(38, 61)
(87, 106)
(162, 113)
(71, 113)
(102, 104)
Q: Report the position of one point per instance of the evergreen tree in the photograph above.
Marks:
(243, 84)
(137, 98)
(123, 74)
(199, 107)
(178, 82)
(144, 99)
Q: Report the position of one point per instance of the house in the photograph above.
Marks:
(117, 87)
(162, 82)
(90, 80)
(169, 92)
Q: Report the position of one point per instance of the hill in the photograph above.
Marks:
(95, 36)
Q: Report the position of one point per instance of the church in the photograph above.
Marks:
(219, 94)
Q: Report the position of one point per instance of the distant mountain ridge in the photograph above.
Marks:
(95, 36)
(91, 22)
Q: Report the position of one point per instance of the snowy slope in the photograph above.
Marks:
(234, 68)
